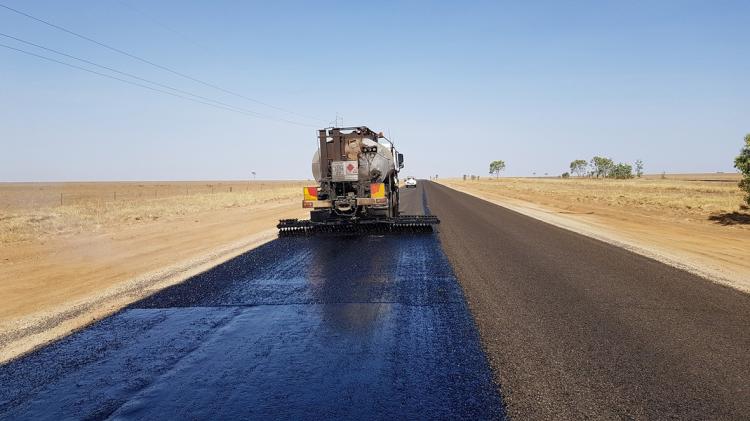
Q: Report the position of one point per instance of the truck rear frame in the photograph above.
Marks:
(346, 199)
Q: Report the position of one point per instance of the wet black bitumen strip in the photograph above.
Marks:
(301, 328)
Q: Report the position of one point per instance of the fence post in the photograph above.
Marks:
(61, 202)
(115, 196)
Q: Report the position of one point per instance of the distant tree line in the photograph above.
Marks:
(496, 167)
(602, 167)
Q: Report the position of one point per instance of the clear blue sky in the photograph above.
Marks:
(536, 84)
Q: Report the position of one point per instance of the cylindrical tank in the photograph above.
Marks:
(374, 167)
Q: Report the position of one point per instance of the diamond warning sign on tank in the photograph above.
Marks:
(345, 170)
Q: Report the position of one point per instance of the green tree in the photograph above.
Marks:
(578, 167)
(621, 171)
(496, 167)
(638, 168)
(742, 163)
(565, 175)
(601, 166)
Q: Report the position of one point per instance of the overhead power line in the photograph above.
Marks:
(151, 63)
(151, 88)
(223, 104)
(161, 25)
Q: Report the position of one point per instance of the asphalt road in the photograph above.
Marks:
(575, 328)
(372, 327)
(378, 327)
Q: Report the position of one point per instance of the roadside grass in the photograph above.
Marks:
(697, 196)
(92, 207)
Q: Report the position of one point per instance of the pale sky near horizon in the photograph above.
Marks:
(457, 84)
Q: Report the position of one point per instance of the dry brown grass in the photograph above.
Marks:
(32, 211)
(692, 196)
(704, 177)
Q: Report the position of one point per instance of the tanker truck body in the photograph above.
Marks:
(356, 171)
(357, 174)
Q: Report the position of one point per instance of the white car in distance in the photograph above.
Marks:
(410, 182)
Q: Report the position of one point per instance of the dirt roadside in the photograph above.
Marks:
(61, 284)
(705, 248)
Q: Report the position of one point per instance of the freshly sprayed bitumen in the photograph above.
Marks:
(301, 328)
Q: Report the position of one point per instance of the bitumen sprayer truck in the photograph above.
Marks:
(358, 188)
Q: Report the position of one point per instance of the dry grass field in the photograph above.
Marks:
(35, 211)
(108, 244)
(698, 197)
(695, 220)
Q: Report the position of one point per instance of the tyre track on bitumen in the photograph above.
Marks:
(322, 327)
(576, 328)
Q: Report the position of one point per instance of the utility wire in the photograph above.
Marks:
(228, 108)
(224, 104)
(167, 69)
(158, 23)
